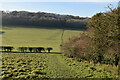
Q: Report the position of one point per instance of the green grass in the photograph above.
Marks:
(46, 65)
(17, 36)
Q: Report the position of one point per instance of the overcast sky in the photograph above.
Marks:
(85, 8)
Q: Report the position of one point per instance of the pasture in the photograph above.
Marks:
(46, 65)
(18, 36)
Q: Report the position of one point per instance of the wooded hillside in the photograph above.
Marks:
(44, 20)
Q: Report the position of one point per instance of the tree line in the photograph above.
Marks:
(44, 20)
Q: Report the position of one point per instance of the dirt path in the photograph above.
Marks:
(58, 69)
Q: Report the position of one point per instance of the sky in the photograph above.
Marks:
(59, 0)
(79, 8)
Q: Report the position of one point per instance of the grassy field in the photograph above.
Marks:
(17, 36)
(46, 65)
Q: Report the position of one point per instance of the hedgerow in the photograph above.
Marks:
(100, 43)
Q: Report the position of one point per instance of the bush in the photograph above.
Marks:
(100, 43)
(78, 47)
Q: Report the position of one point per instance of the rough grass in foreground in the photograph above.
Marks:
(46, 65)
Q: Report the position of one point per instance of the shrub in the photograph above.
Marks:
(100, 43)
(78, 47)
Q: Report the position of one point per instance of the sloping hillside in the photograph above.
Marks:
(19, 36)
(44, 20)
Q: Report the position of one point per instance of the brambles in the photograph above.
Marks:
(78, 47)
